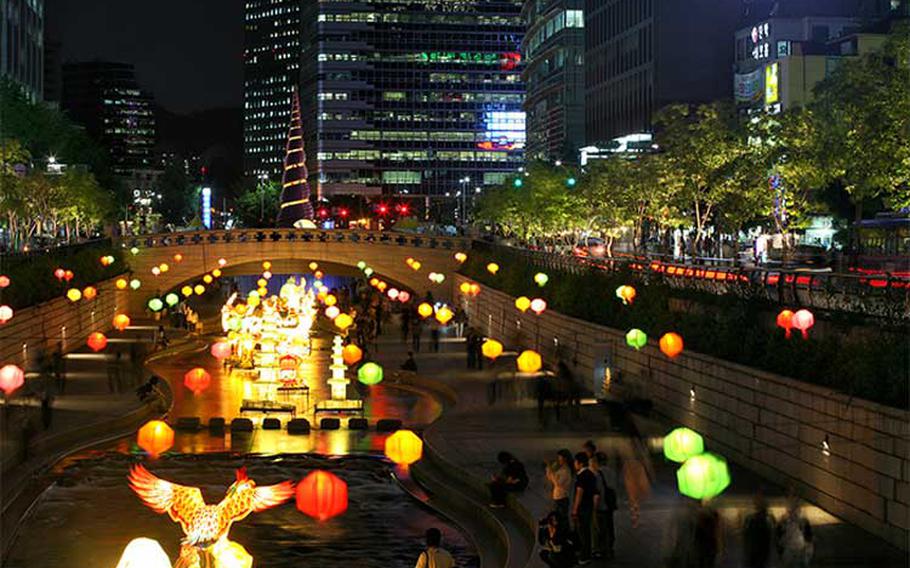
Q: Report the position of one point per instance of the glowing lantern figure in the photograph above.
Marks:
(404, 296)
(636, 338)
(332, 312)
(59, 274)
(155, 304)
(425, 310)
(90, 293)
(172, 299)
(492, 268)
(344, 321)
(529, 362)
(199, 289)
(97, 341)
(444, 315)
(351, 354)
(626, 294)
(187, 291)
(541, 279)
(11, 378)
(121, 322)
(4, 281)
(682, 444)
(461, 257)
(322, 495)
(155, 437)
(369, 374)
(491, 349)
(523, 303)
(220, 350)
(178, 257)
(143, 553)
(538, 305)
(404, 447)
(73, 295)
(671, 344)
(197, 380)
(135, 284)
(803, 320)
(6, 313)
(121, 283)
(704, 476)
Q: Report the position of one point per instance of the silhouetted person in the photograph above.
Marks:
(434, 556)
(512, 478)
(583, 506)
(758, 534)
(410, 364)
(60, 369)
(557, 549)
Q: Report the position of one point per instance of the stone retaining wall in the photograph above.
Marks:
(771, 424)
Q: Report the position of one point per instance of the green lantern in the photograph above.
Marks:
(172, 299)
(156, 305)
(703, 476)
(135, 283)
(370, 374)
(134, 251)
(368, 271)
(541, 279)
(636, 338)
(361, 265)
(682, 444)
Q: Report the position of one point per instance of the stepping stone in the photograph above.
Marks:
(329, 424)
(358, 424)
(299, 426)
(271, 424)
(388, 425)
(216, 424)
(241, 425)
(188, 423)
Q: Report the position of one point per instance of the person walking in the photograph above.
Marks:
(583, 506)
(471, 349)
(434, 336)
(559, 474)
(604, 530)
(795, 546)
(708, 541)
(758, 534)
(434, 556)
(416, 332)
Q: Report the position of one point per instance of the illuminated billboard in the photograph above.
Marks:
(772, 84)
(503, 130)
(207, 207)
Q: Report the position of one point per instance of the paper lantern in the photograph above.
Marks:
(121, 283)
(11, 378)
(59, 274)
(121, 322)
(90, 293)
(6, 313)
(313, 266)
(541, 279)
(230, 554)
(4, 281)
(74, 295)
(164, 267)
(351, 354)
(538, 305)
(409, 260)
(682, 444)
(523, 303)
(475, 288)
(361, 264)
(322, 495)
(208, 279)
(465, 288)
(416, 265)
(671, 344)
(404, 447)
(135, 284)
(156, 271)
(68, 275)
(187, 291)
(803, 320)
(222, 261)
(217, 273)
(97, 341)
(134, 251)
(393, 293)
(425, 310)
(368, 271)
(266, 265)
(143, 553)
(319, 274)
(461, 257)
(155, 304)
(263, 292)
(704, 476)
(444, 315)
(267, 275)
(529, 362)
(344, 321)
(636, 338)
(171, 299)
(492, 268)
(220, 350)
(178, 257)
(155, 437)
(332, 312)
(197, 380)
(105, 261)
(626, 294)
(331, 300)
(382, 286)
(199, 289)
(404, 296)
(491, 349)
(369, 374)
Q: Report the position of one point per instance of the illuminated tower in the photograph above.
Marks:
(296, 210)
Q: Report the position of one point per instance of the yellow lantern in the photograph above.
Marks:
(266, 265)
(262, 282)
(523, 303)
(207, 278)
(330, 300)
(216, 273)
(374, 282)
(313, 266)
(382, 286)
(199, 289)
(529, 362)
(416, 265)
(425, 310)
(461, 257)
(465, 287)
(344, 321)
(444, 315)
(187, 291)
(73, 295)
(404, 447)
(121, 283)
(263, 292)
(409, 261)
(491, 349)
(164, 267)
(492, 268)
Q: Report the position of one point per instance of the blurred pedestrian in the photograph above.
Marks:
(559, 474)
(410, 364)
(758, 534)
(471, 349)
(434, 336)
(708, 543)
(46, 409)
(434, 556)
(604, 530)
(556, 547)
(583, 506)
(59, 368)
(795, 545)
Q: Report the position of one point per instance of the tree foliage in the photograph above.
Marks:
(257, 203)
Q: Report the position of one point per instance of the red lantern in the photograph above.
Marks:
(221, 350)
(121, 322)
(68, 275)
(322, 495)
(11, 378)
(155, 437)
(59, 274)
(803, 320)
(97, 341)
(197, 380)
(785, 320)
(671, 344)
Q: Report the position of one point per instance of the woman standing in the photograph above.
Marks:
(559, 474)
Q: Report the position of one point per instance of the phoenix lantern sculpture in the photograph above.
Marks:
(206, 526)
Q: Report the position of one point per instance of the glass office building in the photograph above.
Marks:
(414, 98)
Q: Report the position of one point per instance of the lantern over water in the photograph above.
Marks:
(155, 437)
(74, 295)
(322, 495)
(682, 444)
(361, 264)
(461, 257)
(368, 271)
(491, 349)
(266, 265)
(803, 320)
(121, 283)
(344, 321)
(11, 378)
(541, 279)
(626, 294)
(121, 322)
(671, 344)
(6, 313)
(197, 380)
(135, 284)
(492, 268)
(404, 447)
(704, 476)
(636, 338)
(164, 267)
(155, 304)
(416, 265)
(529, 362)
(351, 354)
(425, 310)
(538, 305)
(97, 341)
(369, 374)
(522, 303)
(332, 312)
(444, 315)
(220, 350)
(90, 293)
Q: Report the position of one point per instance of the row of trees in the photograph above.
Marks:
(711, 166)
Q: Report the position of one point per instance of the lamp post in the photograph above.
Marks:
(463, 194)
(263, 178)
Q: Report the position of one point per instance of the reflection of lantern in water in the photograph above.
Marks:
(404, 447)
(143, 553)
(803, 320)
(491, 349)
(220, 350)
(97, 341)
(444, 315)
(704, 476)
(155, 437)
(425, 310)
(529, 362)
(322, 495)
(11, 378)
(671, 344)
(538, 305)
(523, 303)
(197, 380)
(351, 354)
(121, 322)
(683, 443)
(369, 374)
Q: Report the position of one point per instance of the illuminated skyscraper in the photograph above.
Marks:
(271, 71)
(22, 44)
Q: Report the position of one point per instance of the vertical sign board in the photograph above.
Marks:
(207, 207)
(772, 84)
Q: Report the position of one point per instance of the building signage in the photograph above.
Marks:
(760, 46)
(772, 83)
(748, 87)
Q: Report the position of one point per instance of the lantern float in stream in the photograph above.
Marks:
(682, 444)
(671, 344)
(803, 320)
(626, 294)
(636, 338)
(155, 437)
(529, 362)
(425, 310)
(197, 380)
(121, 322)
(541, 279)
(538, 305)
(6, 314)
(491, 349)
(404, 447)
(97, 341)
(704, 476)
(11, 378)
(322, 495)
(369, 374)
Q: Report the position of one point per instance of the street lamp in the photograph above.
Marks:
(263, 179)
(464, 190)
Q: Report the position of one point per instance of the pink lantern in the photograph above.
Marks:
(221, 350)
(803, 320)
(59, 274)
(538, 305)
(4, 281)
(11, 378)
(403, 296)
(6, 314)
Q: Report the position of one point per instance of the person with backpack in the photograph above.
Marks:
(604, 531)
(434, 556)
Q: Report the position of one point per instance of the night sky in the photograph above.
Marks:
(187, 53)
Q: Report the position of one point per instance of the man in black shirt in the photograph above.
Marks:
(586, 500)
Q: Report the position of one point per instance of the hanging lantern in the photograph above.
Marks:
(368, 271)
(155, 304)
(322, 495)
(361, 264)
(197, 380)
(425, 310)
(11, 378)
(704, 476)
(492, 268)
(523, 303)
(121, 322)
(199, 289)
(313, 266)
(344, 321)
(541, 279)
(416, 265)
(461, 257)
(220, 350)
(491, 349)
(671, 344)
(465, 288)
(155, 437)
(636, 338)
(682, 444)
(332, 312)
(267, 274)
(164, 267)
(134, 251)
(4, 281)
(404, 296)
(331, 300)
(135, 284)
(785, 321)
(97, 341)
(121, 283)
(626, 294)
(187, 291)
(369, 374)
(156, 271)
(172, 299)
(529, 362)
(803, 320)
(73, 295)
(68, 275)
(351, 354)
(404, 447)
(208, 279)
(393, 293)
(382, 286)
(6, 313)
(444, 315)
(90, 293)
(178, 257)
(319, 274)
(222, 262)
(538, 305)
(475, 288)
(59, 274)
(266, 265)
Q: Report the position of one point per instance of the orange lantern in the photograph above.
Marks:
(444, 315)
(11, 378)
(671, 344)
(425, 310)
(322, 495)
(803, 320)
(319, 274)
(121, 322)
(351, 354)
(178, 257)
(155, 437)
(220, 350)
(97, 341)
(785, 320)
(475, 288)
(465, 288)
(491, 349)
(121, 283)
(404, 447)
(105, 261)
(197, 380)
(523, 303)
(538, 305)
(626, 294)
(529, 362)
(90, 293)
(344, 321)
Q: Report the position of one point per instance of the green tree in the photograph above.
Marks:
(176, 194)
(258, 202)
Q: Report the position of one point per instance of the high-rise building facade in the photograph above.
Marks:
(22, 44)
(271, 71)
(553, 53)
(419, 98)
(642, 55)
